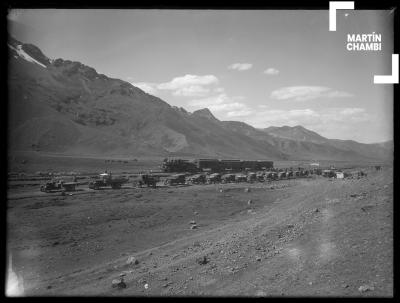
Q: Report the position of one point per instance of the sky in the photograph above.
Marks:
(262, 67)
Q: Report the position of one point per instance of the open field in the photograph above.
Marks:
(35, 162)
(301, 237)
(45, 163)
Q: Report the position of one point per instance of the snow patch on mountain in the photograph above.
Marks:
(24, 55)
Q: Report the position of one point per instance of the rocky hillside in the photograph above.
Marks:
(67, 107)
(309, 142)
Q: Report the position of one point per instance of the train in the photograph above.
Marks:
(170, 165)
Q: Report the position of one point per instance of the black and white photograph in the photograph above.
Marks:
(200, 152)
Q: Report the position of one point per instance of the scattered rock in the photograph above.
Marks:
(49, 287)
(365, 288)
(56, 243)
(385, 186)
(132, 260)
(249, 202)
(258, 258)
(359, 196)
(221, 190)
(309, 283)
(192, 222)
(138, 195)
(146, 286)
(166, 284)
(316, 210)
(203, 260)
(118, 283)
(345, 285)
(367, 207)
(193, 227)
(246, 190)
(290, 226)
(196, 213)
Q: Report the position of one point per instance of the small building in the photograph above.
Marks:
(339, 175)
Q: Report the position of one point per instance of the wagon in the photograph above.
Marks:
(58, 186)
(196, 179)
(240, 178)
(105, 180)
(176, 179)
(213, 178)
(282, 175)
(227, 178)
(251, 177)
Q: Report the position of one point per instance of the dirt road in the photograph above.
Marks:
(301, 237)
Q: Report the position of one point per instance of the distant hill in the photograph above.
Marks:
(304, 141)
(297, 133)
(67, 107)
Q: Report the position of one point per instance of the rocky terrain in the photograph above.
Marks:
(302, 237)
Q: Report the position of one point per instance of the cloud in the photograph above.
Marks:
(222, 103)
(239, 113)
(150, 88)
(240, 66)
(303, 93)
(219, 90)
(191, 91)
(271, 71)
(184, 86)
(352, 111)
(227, 106)
(188, 80)
(189, 85)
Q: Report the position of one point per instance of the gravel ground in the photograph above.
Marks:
(303, 237)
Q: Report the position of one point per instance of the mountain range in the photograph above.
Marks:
(66, 107)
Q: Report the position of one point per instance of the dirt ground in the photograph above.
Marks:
(303, 237)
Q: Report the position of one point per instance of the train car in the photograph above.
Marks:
(207, 164)
(264, 165)
(231, 165)
(249, 165)
(171, 165)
